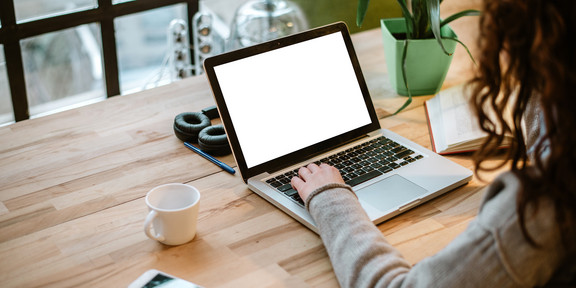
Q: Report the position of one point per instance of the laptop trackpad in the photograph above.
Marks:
(390, 193)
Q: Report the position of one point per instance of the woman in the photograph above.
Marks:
(525, 232)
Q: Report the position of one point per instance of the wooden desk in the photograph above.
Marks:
(73, 186)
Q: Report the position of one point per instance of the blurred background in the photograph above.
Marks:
(63, 69)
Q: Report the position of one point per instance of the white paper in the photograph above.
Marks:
(459, 121)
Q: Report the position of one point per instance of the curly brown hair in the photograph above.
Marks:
(527, 54)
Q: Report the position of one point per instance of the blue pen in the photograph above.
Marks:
(210, 158)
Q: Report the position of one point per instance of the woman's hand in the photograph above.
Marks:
(313, 177)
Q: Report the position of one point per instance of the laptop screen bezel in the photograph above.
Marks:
(304, 153)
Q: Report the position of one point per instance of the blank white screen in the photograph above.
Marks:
(293, 97)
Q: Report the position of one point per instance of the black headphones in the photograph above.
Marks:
(194, 127)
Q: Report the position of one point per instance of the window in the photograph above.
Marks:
(6, 115)
(142, 45)
(27, 10)
(63, 69)
(58, 54)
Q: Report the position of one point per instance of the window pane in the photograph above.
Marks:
(141, 41)
(6, 113)
(33, 9)
(121, 1)
(63, 69)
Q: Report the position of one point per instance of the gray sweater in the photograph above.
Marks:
(491, 252)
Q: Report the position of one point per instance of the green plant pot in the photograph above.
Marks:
(426, 63)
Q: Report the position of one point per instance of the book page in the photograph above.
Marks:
(459, 122)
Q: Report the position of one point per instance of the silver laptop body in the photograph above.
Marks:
(302, 99)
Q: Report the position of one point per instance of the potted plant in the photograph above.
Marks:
(418, 47)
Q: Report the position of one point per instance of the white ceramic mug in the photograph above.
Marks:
(173, 213)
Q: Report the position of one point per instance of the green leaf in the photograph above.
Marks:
(407, 18)
(470, 12)
(361, 12)
(409, 100)
(465, 47)
(434, 10)
(421, 18)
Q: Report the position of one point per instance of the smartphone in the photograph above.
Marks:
(157, 279)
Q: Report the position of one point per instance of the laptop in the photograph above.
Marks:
(302, 99)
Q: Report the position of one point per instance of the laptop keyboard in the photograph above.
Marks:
(357, 164)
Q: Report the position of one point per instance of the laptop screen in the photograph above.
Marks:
(293, 97)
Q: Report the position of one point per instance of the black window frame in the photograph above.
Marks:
(11, 33)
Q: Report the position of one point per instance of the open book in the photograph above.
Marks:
(453, 126)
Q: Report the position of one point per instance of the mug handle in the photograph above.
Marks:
(148, 227)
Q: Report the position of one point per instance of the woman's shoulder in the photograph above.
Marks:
(499, 208)
(498, 214)
(499, 204)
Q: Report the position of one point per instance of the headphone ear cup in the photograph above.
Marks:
(188, 125)
(213, 139)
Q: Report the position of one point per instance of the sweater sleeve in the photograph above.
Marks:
(490, 253)
(360, 255)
